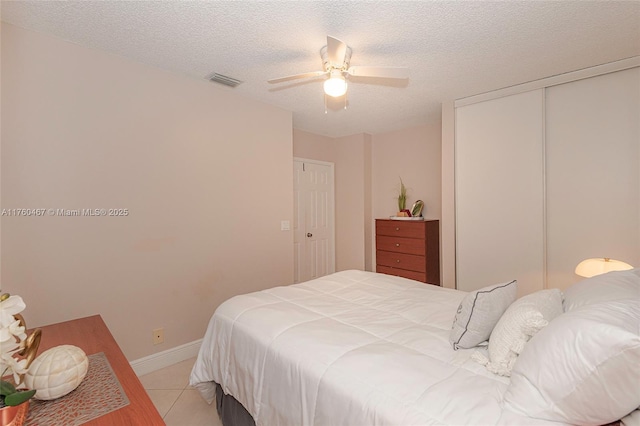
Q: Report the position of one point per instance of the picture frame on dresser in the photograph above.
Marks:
(409, 249)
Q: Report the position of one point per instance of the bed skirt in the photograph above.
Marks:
(230, 411)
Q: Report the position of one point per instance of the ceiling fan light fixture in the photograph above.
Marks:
(336, 63)
(336, 85)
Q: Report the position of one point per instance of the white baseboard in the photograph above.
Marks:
(163, 359)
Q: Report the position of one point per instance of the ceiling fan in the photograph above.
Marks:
(336, 57)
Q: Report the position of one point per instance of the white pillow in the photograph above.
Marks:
(618, 285)
(479, 312)
(583, 368)
(524, 318)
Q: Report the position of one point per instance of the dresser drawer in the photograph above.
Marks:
(400, 245)
(399, 228)
(412, 275)
(401, 260)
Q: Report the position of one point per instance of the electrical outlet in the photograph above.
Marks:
(158, 336)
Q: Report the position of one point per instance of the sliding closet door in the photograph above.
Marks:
(593, 180)
(499, 192)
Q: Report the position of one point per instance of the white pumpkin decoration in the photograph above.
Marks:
(57, 371)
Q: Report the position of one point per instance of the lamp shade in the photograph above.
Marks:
(600, 265)
(335, 86)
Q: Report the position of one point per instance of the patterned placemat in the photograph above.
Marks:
(99, 393)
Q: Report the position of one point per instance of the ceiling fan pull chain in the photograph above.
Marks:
(325, 103)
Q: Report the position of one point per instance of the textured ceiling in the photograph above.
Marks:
(453, 49)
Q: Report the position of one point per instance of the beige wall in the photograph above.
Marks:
(369, 231)
(351, 203)
(313, 147)
(414, 155)
(206, 176)
(448, 222)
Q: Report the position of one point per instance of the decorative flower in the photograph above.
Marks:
(14, 342)
(12, 334)
(17, 366)
(10, 306)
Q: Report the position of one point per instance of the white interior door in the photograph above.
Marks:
(313, 227)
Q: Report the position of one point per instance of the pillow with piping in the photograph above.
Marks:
(479, 312)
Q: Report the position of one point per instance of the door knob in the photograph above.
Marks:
(309, 234)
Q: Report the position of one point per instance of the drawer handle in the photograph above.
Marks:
(397, 244)
(397, 229)
(398, 260)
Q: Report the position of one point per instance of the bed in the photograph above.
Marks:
(351, 348)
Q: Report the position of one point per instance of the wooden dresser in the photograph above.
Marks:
(409, 249)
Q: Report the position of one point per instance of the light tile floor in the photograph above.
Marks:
(178, 403)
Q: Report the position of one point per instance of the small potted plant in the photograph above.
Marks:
(17, 351)
(402, 201)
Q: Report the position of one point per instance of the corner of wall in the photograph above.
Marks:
(447, 225)
(368, 205)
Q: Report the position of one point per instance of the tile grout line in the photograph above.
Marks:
(173, 405)
(170, 389)
(174, 402)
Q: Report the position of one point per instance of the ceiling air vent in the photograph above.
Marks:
(223, 79)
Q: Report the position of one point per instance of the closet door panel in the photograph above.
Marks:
(499, 192)
(593, 180)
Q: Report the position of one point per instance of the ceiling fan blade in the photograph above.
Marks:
(383, 72)
(297, 76)
(336, 51)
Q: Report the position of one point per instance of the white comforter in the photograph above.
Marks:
(352, 348)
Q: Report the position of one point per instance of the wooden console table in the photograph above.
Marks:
(92, 336)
